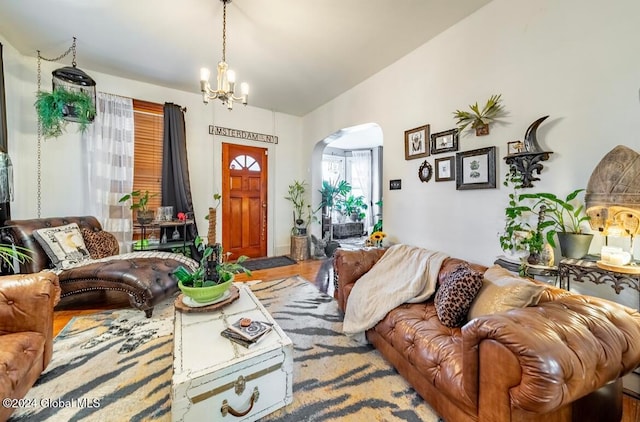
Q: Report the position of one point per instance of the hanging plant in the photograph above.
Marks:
(480, 119)
(56, 108)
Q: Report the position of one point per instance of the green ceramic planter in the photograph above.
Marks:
(205, 294)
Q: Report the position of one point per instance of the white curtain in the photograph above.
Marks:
(109, 145)
(361, 179)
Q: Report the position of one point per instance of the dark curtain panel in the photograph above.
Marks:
(6, 177)
(176, 189)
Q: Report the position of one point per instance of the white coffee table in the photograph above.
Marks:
(216, 379)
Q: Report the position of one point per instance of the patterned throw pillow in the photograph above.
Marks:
(100, 243)
(455, 295)
(63, 244)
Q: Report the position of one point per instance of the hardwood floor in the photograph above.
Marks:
(90, 303)
(316, 271)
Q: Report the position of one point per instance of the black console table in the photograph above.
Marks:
(164, 228)
(586, 270)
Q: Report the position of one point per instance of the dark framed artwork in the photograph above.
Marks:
(445, 169)
(425, 171)
(476, 169)
(416, 142)
(446, 141)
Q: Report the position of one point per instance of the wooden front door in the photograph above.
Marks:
(244, 200)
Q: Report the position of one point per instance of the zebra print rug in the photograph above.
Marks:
(117, 365)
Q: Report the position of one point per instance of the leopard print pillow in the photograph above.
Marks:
(455, 295)
(100, 243)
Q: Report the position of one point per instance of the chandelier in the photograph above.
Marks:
(226, 80)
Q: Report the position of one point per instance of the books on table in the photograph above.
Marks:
(246, 332)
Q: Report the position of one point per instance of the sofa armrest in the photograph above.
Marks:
(26, 304)
(553, 353)
(349, 266)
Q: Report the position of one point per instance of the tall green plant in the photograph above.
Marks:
(564, 215)
(53, 107)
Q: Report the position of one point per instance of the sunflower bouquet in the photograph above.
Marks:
(376, 238)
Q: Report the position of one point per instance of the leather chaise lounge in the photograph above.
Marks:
(146, 277)
(561, 360)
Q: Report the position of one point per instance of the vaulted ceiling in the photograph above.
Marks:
(295, 54)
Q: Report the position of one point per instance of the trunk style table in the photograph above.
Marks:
(217, 379)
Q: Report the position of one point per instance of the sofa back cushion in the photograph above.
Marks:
(21, 233)
(501, 291)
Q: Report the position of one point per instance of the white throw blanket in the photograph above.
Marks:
(404, 274)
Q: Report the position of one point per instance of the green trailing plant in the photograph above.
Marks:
(378, 226)
(519, 234)
(210, 271)
(139, 199)
(478, 118)
(53, 107)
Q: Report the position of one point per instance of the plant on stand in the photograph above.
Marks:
(352, 206)
(296, 196)
(564, 220)
(140, 203)
(212, 217)
(330, 193)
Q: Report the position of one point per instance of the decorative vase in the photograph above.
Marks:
(574, 245)
(206, 294)
(144, 216)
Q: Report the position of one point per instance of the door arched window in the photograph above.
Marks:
(244, 162)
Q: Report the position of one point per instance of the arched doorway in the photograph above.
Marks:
(352, 154)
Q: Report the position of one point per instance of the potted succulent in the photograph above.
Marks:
(212, 278)
(140, 203)
(58, 107)
(480, 119)
(564, 218)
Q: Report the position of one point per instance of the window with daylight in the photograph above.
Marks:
(147, 154)
(244, 162)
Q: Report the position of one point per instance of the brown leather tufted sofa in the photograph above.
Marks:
(559, 361)
(26, 332)
(147, 281)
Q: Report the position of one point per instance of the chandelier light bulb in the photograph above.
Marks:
(204, 74)
(226, 79)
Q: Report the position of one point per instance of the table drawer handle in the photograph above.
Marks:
(228, 409)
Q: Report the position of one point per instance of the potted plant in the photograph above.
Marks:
(352, 206)
(9, 253)
(565, 216)
(139, 203)
(480, 119)
(296, 196)
(58, 107)
(520, 237)
(212, 278)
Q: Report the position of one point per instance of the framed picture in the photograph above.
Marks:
(476, 169)
(425, 171)
(416, 143)
(445, 169)
(515, 147)
(446, 141)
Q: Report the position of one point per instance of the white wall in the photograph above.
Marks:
(63, 163)
(573, 60)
